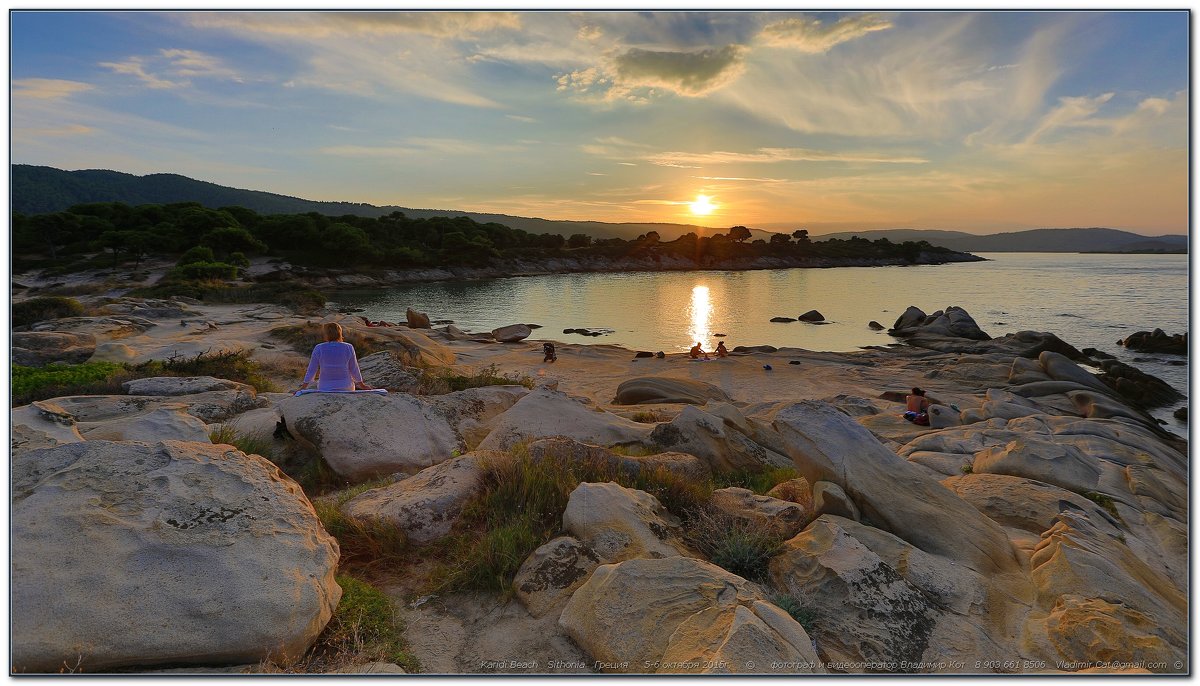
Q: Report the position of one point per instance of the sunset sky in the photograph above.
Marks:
(972, 121)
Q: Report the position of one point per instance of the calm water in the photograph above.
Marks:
(1088, 300)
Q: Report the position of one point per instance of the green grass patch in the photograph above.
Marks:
(790, 604)
(758, 481)
(89, 378)
(263, 446)
(1104, 501)
(365, 627)
(738, 545)
(440, 381)
(234, 365)
(649, 417)
(366, 543)
(36, 310)
(293, 295)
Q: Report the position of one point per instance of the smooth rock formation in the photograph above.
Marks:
(129, 554)
(716, 441)
(386, 370)
(551, 574)
(545, 412)
(183, 385)
(416, 320)
(426, 505)
(40, 348)
(660, 389)
(630, 616)
(572, 451)
(41, 424)
(621, 523)
(829, 498)
(1157, 341)
(782, 320)
(511, 333)
(875, 326)
(781, 516)
(954, 322)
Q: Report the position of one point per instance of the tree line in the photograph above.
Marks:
(216, 242)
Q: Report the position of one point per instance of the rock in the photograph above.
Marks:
(812, 316)
(1060, 368)
(168, 422)
(794, 491)
(128, 554)
(782, 320)
(781, 516)
(1045, 461)
(417, 320)
(875, 326)
(545, 412)
(954, 322)
(385, 370)
(829, 498)
(1097, 354)
(371, 668)
(1181, 413)
(1025, 370)
(1137, 386)
(912, 317)
(755, 349)
(826, 445)
(551, 574)
(643, 354)
(660, 389)
(511, 333)
(113, 352)
(941, 417)
(621, 523)
(40, 348)
(1017, 502)
(868, 612)
(182, 385)
(455, 334)
(632, 615)
(363, 436)
(1083, 631)
(426, 505)
(209, 406)
(715, 440)
(1157, 341)
(41, 424)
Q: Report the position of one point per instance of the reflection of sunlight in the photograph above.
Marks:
(701, 311)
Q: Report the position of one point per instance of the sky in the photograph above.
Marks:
(973, 121)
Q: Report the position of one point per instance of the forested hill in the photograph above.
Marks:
(1033, 240)
(38, 190)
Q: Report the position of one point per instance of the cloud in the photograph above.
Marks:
(439, 24)
(637, 74)
(521, 118)
(173, 68)
(65, 130)
(48, 89)
(810, 35)
(419, 146)
(740, 178)
(773, 155)
(1070, 112)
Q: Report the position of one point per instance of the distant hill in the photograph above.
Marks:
(37, 190)
(1033, 240)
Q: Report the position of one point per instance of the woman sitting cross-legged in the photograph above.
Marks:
(334, 363)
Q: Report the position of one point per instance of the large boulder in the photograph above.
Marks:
(167, 422)
(386, 370)
(898, 496)
(417, 320)
(368, 435)
(426, 505)
(621, 523)
(551, 574)
(1060, 368)
(812, 316)
(671, 614)
(954, 322)
(183, 385)
(545, 412)
(127, 554)
(41, 424)
(1041, 460)
(1020, 503)
(717, 440)
(207, 406)
(1157, 341)
(661, 389)
(40, 348)
(511, 333)
(783, 517)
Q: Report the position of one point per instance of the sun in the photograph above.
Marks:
(702, 206)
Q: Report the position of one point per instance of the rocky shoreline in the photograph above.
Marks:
(342, 278)
(1039, 525)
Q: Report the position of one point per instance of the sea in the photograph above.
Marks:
(1088, 300)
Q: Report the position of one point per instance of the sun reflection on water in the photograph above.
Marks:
(701, 312)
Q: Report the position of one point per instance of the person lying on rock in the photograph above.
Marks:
(334, 364)
(697, 351)
(722, 351)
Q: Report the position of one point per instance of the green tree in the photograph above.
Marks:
(801, 236)
(739, 234)
(230, 239)
(579, 240)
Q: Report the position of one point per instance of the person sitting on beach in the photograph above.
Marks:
(722, 351)
(697, 351)
(334, 364)
(548, 349)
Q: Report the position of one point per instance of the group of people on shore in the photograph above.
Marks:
(697, 351)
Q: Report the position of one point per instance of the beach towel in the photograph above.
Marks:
(376, 391)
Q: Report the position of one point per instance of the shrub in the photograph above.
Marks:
(438, 382)
(197, 254)
(40, 309)
(791, 605)
(227, 433)
(234, 365)
(759, 481)
(203, 271)
(1105, 502)
(364, 628)
(649, 417)
(89, 378)
(738, 545)
(239, 260)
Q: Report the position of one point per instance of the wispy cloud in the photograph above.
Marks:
(521, 118)
(48, 89)
(774, 155)
(172, 68)
(1070, 112)
(807, 34)
(420, 146)
(439, 24)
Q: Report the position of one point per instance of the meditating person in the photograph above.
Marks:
(550, 354)
(334, 364)
(697, 351)
(722, 351)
